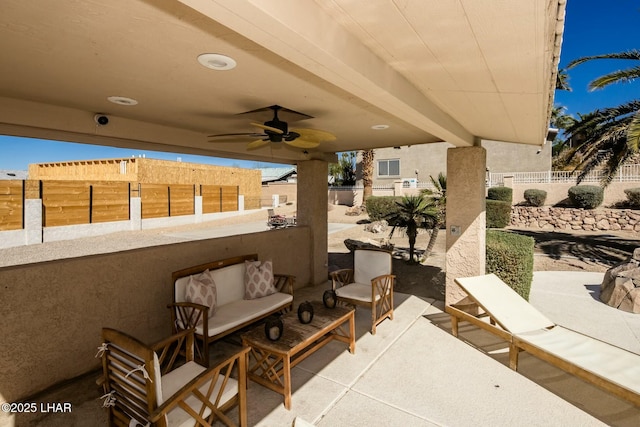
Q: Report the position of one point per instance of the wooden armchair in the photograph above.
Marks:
(142, 387)
(370, 284)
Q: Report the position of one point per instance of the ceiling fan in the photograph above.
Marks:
(277, 131)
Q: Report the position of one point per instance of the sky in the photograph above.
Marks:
(595, 27)
(592, 27)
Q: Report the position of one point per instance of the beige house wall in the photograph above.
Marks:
(287, 189)
(431, 159)
(52, 312)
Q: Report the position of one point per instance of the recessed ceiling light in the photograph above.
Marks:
(215, 61)
(380, 127)
(121, 100)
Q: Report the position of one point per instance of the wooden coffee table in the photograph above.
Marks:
(270, 362)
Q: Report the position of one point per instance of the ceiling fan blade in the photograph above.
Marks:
(303, 143)
(257, 143)
(232, 141)
(269, 128)
(247, 134)
(315, 134)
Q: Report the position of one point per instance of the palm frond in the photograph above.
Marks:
(620, 76)
(633, 134)
(632, 54)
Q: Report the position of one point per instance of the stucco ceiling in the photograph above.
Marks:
(445, 70)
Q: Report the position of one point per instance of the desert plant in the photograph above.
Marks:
(504, 194)
(633, 196)
(498, 213)
(535, 197)
(414, 213)
(510, 257)
(379, 207)
(586, 196)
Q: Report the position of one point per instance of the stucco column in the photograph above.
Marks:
(466, 219)
(313, 203)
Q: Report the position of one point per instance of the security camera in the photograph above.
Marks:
(101, 119)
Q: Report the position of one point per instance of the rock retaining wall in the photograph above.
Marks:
(550, 218)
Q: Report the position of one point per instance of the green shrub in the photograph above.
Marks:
(500, 193)
(586, 196)
(535, 197)
(498, 213)
(633, 196)
(510, 257)
(378, 207)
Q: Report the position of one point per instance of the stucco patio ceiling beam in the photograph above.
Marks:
(305, 35)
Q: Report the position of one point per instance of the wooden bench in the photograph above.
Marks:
(232, 311)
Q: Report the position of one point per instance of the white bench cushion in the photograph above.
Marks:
(238, 312)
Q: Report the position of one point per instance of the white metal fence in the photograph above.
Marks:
(626, 173)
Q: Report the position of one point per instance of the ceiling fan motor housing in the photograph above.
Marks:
(278, 124)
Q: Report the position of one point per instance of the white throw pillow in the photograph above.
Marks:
(258, 279)
(201, 289)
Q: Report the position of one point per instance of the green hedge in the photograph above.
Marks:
(586, 196)
(498, 213)
(535, 197)
(633, 196)
(504, 194)
(378, 207)
(510, 257)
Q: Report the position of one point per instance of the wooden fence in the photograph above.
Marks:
(219, 198)
(84, 202)
(11, 205)
(81, 202)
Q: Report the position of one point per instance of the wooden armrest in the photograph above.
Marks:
(343, 276)
(210, 374)
(187, 315)
(284, 282)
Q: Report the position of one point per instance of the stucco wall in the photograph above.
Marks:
(52, 312)
(557, 192)
(431, 159)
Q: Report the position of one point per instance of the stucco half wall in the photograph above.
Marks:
(52, 312)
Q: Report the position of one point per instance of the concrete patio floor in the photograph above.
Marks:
(413, 372)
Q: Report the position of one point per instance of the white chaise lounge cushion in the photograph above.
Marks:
(605, 360)
(507, 307)
(176, 379)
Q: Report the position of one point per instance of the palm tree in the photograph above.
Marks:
(439, 195)
(562, 80)
(612, 135)
(414, 213)
(367, 174)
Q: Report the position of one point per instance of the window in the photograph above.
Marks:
(389, 168)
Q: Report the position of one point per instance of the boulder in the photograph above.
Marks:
(620, 287)
(377, 227)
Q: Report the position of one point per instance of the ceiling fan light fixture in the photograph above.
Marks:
(380, 127)
(122, 100)
(216, 61)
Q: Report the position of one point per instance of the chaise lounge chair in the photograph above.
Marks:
(509, 316)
